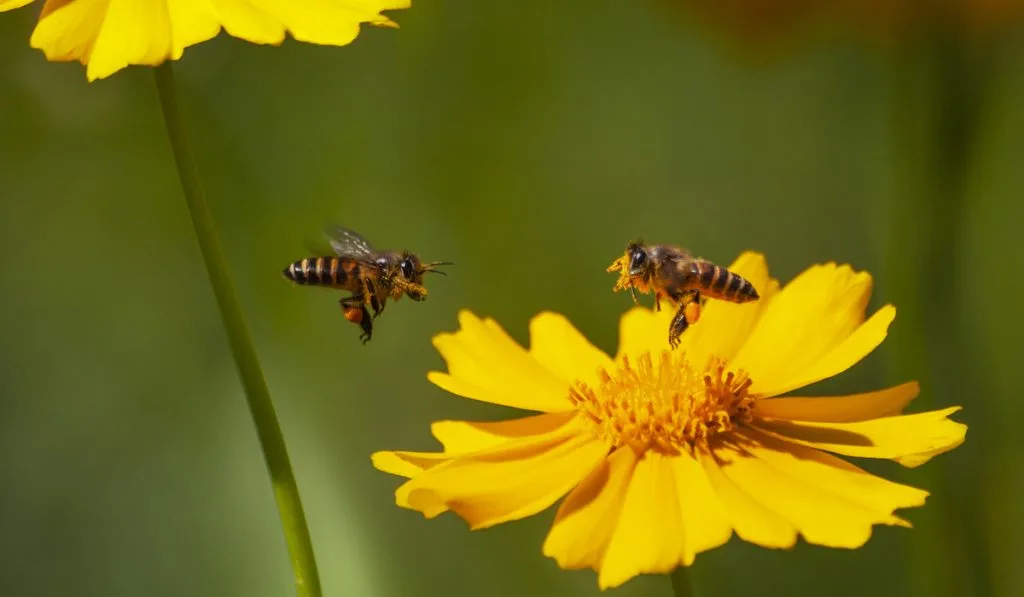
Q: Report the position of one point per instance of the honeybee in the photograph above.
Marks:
(371, 276)
(683, 279)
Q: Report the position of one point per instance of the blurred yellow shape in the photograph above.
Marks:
(108, 35)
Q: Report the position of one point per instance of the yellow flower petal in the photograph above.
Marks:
(846, 354)
(407, 464)
(459, 437)
(109, 35)
(328, 22)
(510, 481)
(820, 515)
(643, 330)
(841, 409)
(910, 440)
(6, 5)
(560, 347)
(831, 473)
(805, 321)
(587, 518)
(247, 20)
(705, 521)
(133, 32)
(752, 521)
(485, 364)
(649, 535)
(67, 29)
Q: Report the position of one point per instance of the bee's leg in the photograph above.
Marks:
(355, 311)
(679, 321)
(366, 324)
(377, 306)
(677, 327)
(657, 300)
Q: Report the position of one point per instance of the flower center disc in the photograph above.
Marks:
(667, 407)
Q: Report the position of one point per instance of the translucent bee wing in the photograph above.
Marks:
(349, 243)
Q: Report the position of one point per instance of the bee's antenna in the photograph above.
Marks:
(429, 267)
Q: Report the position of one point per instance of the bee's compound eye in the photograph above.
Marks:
(407, 269)
(637, 260)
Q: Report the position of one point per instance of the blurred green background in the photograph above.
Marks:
(528, 143)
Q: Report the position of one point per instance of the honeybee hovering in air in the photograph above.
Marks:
(683, 279)
(371, 276)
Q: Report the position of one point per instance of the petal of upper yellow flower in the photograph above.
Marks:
(249, 21)
(6, 5)
(723, 326)
(509, 481)
(649, 535)
(806, 320)
(109, 35)
(67, 29)
(751, 519)
(840, 409)
(846, 354)
(820, 514)
(705, 522)
(459, 437)
(910, 440)
(328, 22)
(485, 364)
(133, 32)
(560, 347)
(587, 518)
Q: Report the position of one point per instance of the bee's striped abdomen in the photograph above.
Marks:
(320, 271)
(719, 283)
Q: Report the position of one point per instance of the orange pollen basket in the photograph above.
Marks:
(668, 407)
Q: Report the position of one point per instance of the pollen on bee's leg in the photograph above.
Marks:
(353, 314)
(692, 312)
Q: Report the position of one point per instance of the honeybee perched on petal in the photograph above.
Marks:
(371, 276)
(686, 281)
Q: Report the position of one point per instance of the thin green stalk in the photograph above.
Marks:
(282, 479)
(681, 586)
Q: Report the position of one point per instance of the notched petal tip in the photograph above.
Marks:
(427, 502)
(955, 435)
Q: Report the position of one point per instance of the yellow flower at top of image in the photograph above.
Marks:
(108, 35)
(665, 454)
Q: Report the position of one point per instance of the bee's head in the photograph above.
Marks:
(412, 270)
(639, 260)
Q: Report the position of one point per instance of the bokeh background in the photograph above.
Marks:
(528, 143)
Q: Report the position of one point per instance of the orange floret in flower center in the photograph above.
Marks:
(668, 407)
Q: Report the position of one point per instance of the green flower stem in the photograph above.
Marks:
(681, 586)
(286, 492)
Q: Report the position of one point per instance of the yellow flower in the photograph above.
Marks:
(108, 35)
(665, 454)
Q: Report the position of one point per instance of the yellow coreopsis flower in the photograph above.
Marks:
(664, 454)
(108, 35)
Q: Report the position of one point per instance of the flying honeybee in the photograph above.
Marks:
(683, 279)
(371, 276)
